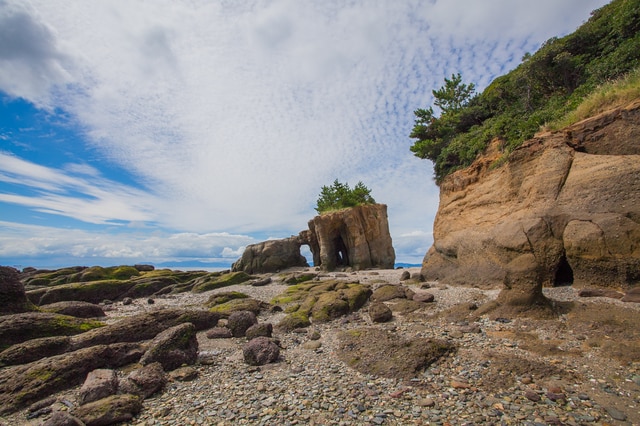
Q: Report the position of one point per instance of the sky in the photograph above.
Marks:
(174, 132)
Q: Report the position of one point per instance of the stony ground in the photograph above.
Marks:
(580, 369)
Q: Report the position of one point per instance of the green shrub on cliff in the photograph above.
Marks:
(542, 89)
(340, 196)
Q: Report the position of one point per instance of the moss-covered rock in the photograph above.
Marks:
(391, 291)
(21, 385)
(146, 286)
(75, 309)
(329, 306)
(295, 278)
(383, 353)
(213, 281)
(144, 326)
(92, 292)
(243, 304)
(34, 349)
(224, 297)
(298, 319)
(19, 328)
(321, 301)
(13, 299)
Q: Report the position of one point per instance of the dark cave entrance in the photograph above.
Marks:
(564, 273)
(342, 254)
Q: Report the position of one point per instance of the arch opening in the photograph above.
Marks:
(564, 273)
(341, 252)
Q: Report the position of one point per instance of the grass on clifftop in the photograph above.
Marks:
(607, 96)
(565, 74)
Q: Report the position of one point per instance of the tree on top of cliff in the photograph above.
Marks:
(545, 87)
(340, 195)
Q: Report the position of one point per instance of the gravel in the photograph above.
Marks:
(310, 386)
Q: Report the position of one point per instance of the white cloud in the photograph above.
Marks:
(234, 114)
(42, 243)
(89, 197)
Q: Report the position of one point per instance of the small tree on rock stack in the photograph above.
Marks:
(340, 196)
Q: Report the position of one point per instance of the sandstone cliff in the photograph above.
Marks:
(565, 208)
(356, 237)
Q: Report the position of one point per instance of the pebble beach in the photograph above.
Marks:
(492, 378)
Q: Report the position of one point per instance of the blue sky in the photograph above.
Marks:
(178, 131)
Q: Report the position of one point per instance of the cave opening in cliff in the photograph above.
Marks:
(564, 273)
(342, 254)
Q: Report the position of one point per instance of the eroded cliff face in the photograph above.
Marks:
(357, 237)
(564, 209)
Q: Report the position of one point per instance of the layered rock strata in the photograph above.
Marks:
(565, 208)
(357, 237)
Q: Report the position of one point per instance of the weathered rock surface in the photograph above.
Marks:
(35, 349)
(100, 383)
(271, 256)
(173, 347)
(75, 309)
(111, 410)
(145, 326)
(47, 376)
(357, 237)
(381, 352)
(63, 418)
(564, 209)
(264, 329)
(239, 322)
(12, 296)
(144, 381)
(260, 351)
(18, 328)
(379, 312)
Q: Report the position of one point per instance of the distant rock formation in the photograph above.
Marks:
(12, 294)
(564, 209)
(271, 256)
(357, 237)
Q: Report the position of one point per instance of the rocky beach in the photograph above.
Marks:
(578, 368)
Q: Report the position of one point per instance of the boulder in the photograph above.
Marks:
(12, 295)
(388, 292)
(18, 328)
(75, 308)
(219, 333)
(184, 374)
(239, 322)
(34, 349)
(111, 410)
(423, 297)
(379, 312)
(63, 418)
(264, 329)
(145, 326)
(144, 381)
(99, 384)
(565, 207)
(271, 256)
(173, 347)
(92, 292)
(260, 351)
(383, 353)
(144, 268)
(47, 376)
